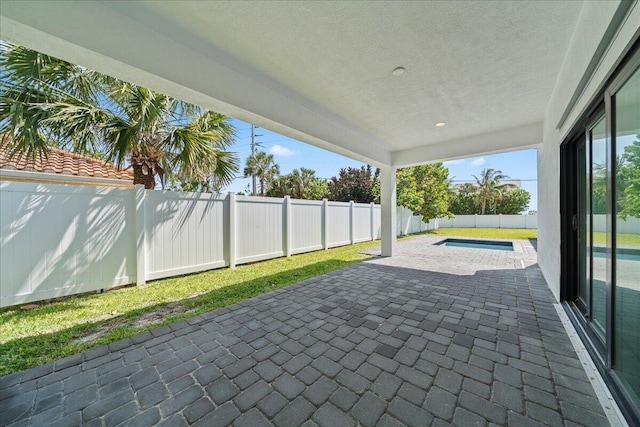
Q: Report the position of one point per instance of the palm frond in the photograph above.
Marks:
(45, 100)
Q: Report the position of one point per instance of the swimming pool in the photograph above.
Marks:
(477, 244)
(622, 254)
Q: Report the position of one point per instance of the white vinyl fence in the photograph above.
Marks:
(488, 221)
(630, 225)
(58, 240)
(408, 223)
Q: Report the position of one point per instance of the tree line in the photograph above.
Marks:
(426, 190)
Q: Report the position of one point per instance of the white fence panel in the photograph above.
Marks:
(512, 221)
(431, 225)
(630, 225)
(339, 218)
(531, 221)
(306, 225)
(185, 233)
(377, 218)
(445, 222)
(259, 233)
(416, 223)
(361, 222)
(403, 221)
(464, 221)
(600, 223)
(58, 240)
(489, 221)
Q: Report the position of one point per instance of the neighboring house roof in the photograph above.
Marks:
(60, 163)
(64, 162)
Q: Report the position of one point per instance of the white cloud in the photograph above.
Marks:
(478, 162)
(454, 162)
(279, 150)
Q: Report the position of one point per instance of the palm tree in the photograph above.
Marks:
(466, 188)
(299, 184)
(46, 101)
(261, 165)
(301, 180)
(489, 187)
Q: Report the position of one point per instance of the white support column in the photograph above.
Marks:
(352, 222)
(287, 213)
(232, 230)
(141, 236)
(388, 205)
(325, 224)
(371, 219)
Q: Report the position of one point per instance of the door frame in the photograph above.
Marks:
(601, 353)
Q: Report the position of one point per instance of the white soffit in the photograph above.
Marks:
(321, 71)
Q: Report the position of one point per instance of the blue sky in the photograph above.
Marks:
(291, 154)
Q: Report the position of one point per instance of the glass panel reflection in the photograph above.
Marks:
(584, 233)
(627, 259)
(598, 236)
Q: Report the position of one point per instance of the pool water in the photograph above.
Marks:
(623, 254)
(477, 244)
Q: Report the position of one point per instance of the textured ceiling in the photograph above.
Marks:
(478, 66)
(481, 67)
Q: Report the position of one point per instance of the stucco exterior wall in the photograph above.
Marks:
(592, 26)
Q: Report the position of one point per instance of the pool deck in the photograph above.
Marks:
(433, 336)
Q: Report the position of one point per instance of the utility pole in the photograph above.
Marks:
(254, 146)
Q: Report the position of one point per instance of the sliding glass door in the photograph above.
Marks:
(625, 105)
(595, 233)
(604, 210)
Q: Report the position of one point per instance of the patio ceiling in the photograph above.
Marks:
(321, 72)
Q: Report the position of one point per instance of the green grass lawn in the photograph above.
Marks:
(60, 328)
(622, 239)
(493, 233)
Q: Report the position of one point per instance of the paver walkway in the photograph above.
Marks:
(433, 336)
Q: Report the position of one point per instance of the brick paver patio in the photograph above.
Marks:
(433, 336)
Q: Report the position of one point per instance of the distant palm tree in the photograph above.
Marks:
(299, 184)
(47, 101)
(301, 180)
(262, 166)
(466, 188)
(489, 187)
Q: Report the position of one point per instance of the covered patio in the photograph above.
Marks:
(435, 335)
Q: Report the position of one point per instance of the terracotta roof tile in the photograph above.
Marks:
(65, 163)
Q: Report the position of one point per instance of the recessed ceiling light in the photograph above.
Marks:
(440, 124)
(398, 71)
